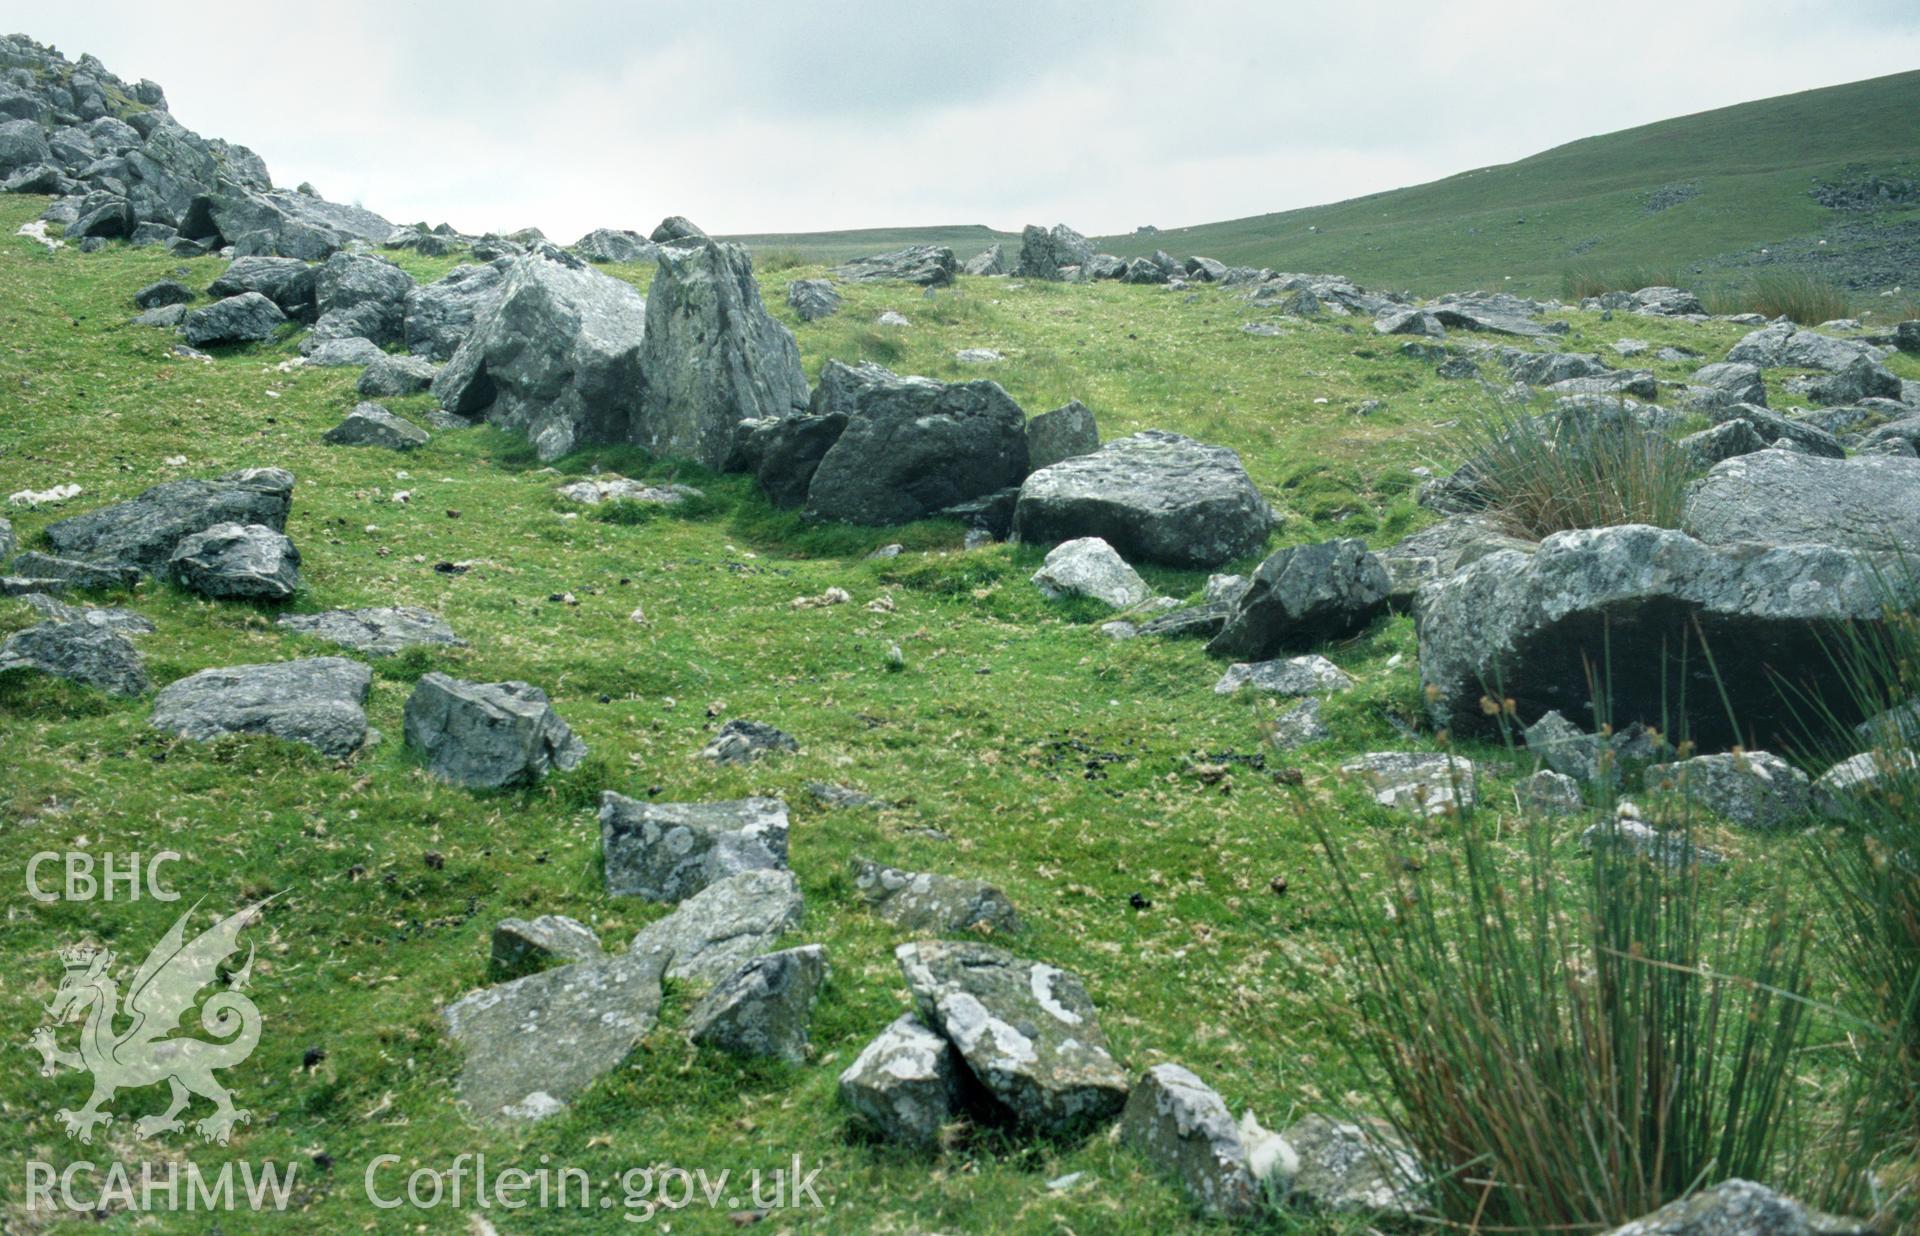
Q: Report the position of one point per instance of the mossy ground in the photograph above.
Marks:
(1054, 761)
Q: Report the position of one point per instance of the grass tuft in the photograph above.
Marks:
(1592, 469)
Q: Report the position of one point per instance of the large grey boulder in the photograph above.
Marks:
(1026, 1031)
(924, 901)
(905, 1084)
(533, 1045)
(369, 424)
(991, 260)
(319, 702)
(1860, 378)
(712, 933)
(23, 143)
(246, 318)
(556, 356)
(1637, 602)
(361, 297)
(1728, 382)
(488, 735)
(762, 1009)
(92, 654)
(260, 221)
(1044, 252)
(712, 355)
(375, 632)
(670, 851)
(912, 446)
(396, 375)
(1785, 497)
(237, 562)
(287, 282)
(812, 299)
(931, 266)
(605, 244)
(1354, 1169)
(1756, 789)
(440, 315)
(522, 946)
(1064, 433)
(1438, 551)
(1784, 345)
(1088, 567)
(1178, 1123)
(1302, 596)
(1154, 496)
(1739, 1208)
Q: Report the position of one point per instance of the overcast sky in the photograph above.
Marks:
(796, 116)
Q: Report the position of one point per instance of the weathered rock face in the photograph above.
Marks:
(922, 901)
(931, 266)
(376, 632)
(1303, 596)
(812, 299)
(236, 562)
(912, 446)
(488, 735)
(905, 1084)
(91, 654)
(1088, 567)
(764, 1007)
(712, 356)
(1348, 1168)
(361, 296)
(670, 851)
(534, 1044)
(287, 282)
(1785, 497)
(1043, 252)
(246, 318)
(1308, 675)
(1739, 1208)
(319, 702)
(440, 315)
(991, 260)
(1153, 496)
(143, 532)
(557, 357)
(724, 925)
(521, 946)
(1628, 598)
(369, 424)
(1756, 789)
(396, 375)
(1064, 433)
(1429, 785)
(1026, 1031)
(1176, 1121)
(605, 244)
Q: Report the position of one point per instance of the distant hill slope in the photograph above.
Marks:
(964, 239)
(1697, 195)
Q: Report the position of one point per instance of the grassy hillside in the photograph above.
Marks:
(1018, 744)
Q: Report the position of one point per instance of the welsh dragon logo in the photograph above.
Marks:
(141, 1054)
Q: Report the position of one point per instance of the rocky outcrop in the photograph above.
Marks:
(606, 244)
(438, 316)
(318, 702)
(930, 266)
(1043, 253)
(488, 735)
(361, 297)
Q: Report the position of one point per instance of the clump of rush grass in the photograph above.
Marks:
(1574, 468)
(1568, 1048)
(1801, 298)
(1579, 283)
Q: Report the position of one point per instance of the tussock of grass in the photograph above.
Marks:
(1543, 474)
(1580, 283)
(1806, 299)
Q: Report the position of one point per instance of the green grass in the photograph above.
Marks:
(985, 736)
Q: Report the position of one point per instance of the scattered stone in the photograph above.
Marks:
(1304, 595)
(1861, 378)
(891, 318)
(1089, 567)
(1726, 440)
(742, 742)
(376, 632)
(360, 295)
(670, 851)
(1429, 784)
(1547, 793)
(763, 1008)
(1026, 1031)
(931, 266)
(1299, 726)
(1354, 1169)
(38, 572)
(533, 1045)
(977, 356)
(1728, 382)
(612, 487)
(1755, 789)
(1784, 345)
(812, 299)
(1307, 675)
(7, 541)
(245, 318)
(1627, 830)
(716, 930)
(91, 654)
(488, 735)
(1064, 433)
(236, 562)
(922, 901)
(123, 620)
(369, 424)
(396, 375)
(1178, 1123)
(319, 702)
(340, 353)
(287, 282)
(1778, 497)
(165, 317)
(1621, 753)
(606, 244)
(1839, 792)
(840, 797)
(1153, 496)
(1740, 1208)
(165, 292)
(905, 1084)
(143, 533)
(522, 947)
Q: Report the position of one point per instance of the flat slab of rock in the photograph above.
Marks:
(235, 562)
(1155, 497)
(905, 1084)
(1785, 497)
(369, 424)
(742, 742)
(670, 851)
(377, 632)
(91, 654)
(1755, 789)
(1354, 1169)
(522, 946)
(763, 1008)
(1304, 595)
(923, 901)
(1089, 567)
(319, 702)
(1428, 784)
(488, 735)
(1027, 1032)
(1308, 675)
(124, 621)
(143, 532)
(718, 929)
(1178, 1123)
(534, 1044)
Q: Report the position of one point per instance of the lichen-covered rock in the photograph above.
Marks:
(991, 260)
(1089, 567)
(1428, 784)
(1438, 551)
(905, 1084)
(488, 735)
(812, 299)
(1064, 433)
(923, 901)
(287, 282)
(1740, 1208)
(1619, 755)
(522, 946)
(1044, 252)
(1307, 675)
(605, 244)
(1179, 1124)
(712, 933)
(376, 632)
(1354, 1169)
(246, 318)
(369, 424)
(1302, 596)
(1155, 497)
(1756, 789)
(763, 1008)
(1886, 776)
(1785, 497)
(1299, 726)
(319, 702)
(143, 532)
(362, 296)
(92, 654)
(1026, 1031)
(670, 851)
(439, 316)
(237, 562)
(1548, 793)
